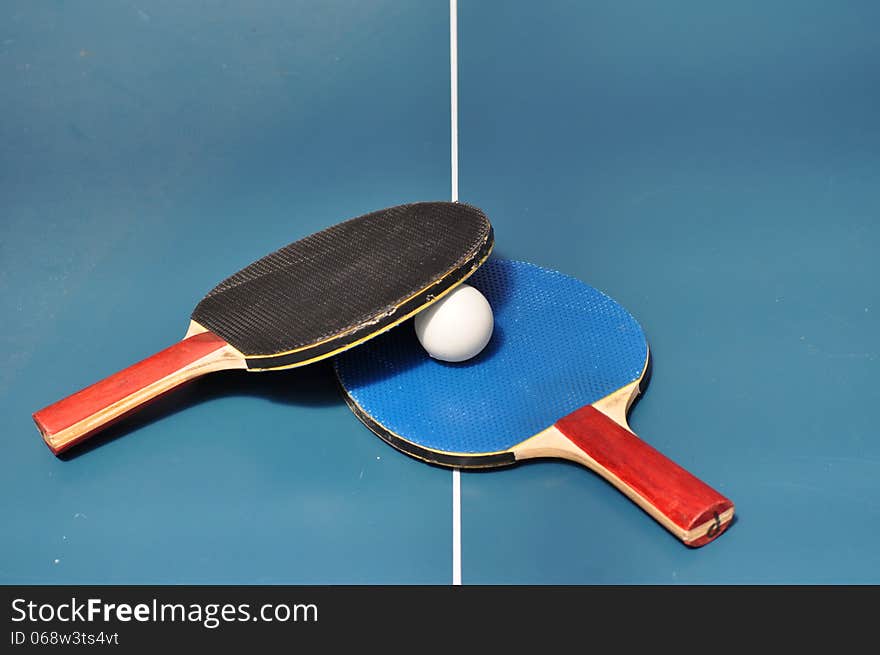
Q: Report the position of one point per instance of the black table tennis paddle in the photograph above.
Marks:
(308, 301)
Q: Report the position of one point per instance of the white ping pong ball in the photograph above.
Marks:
(456, 327)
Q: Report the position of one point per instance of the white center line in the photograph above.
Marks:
(453, 95)
(456, 527)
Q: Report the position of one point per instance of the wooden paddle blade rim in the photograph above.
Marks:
(429, 455)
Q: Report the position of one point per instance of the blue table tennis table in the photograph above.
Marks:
(713, 167)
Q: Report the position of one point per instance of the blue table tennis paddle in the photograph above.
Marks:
(557, 379)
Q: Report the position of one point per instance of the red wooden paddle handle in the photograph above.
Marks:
(69, 421)
(685, 505)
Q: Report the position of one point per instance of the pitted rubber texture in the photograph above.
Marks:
(558, 345)
(347, 280)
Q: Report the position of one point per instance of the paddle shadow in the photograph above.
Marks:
(309, 386)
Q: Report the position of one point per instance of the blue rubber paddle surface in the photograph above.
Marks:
(558, 344)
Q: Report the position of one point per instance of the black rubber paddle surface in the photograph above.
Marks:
(338, 286)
